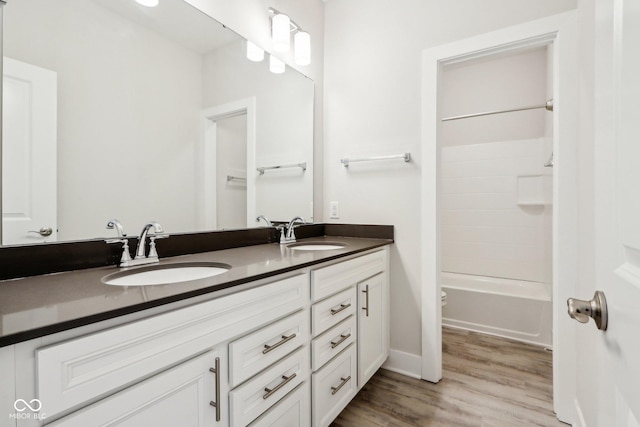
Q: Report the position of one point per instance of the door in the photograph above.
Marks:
(372, 328)
(611, 366)
(29, 115)
(182, 396)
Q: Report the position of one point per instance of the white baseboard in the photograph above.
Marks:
(404, 363)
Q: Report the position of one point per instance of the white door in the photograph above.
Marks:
(609, 370)
(29, 135)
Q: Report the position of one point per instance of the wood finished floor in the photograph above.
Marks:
(487, 381)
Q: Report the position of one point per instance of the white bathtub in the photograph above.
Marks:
(508, 308)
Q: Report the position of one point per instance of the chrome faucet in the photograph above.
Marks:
(265, 219)
(140, 258)
(290, 235)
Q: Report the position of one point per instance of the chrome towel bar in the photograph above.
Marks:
(302, 165)
(405, 156)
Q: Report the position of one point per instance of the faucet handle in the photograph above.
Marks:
(115, 224)
(126, 255)
(159, 236)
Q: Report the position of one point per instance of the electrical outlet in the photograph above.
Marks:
(334, 210)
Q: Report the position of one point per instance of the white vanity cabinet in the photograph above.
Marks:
(287, 351)
(110, 367)
(350, 317)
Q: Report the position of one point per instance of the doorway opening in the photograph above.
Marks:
(227, 176)
(543, 199)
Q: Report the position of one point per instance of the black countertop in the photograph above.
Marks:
(32, 307)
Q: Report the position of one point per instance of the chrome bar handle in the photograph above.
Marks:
(216, 404)
(342, 339)
(270, 391)
(268, 348)
(366, 307)
(334, 390)
(335, 311)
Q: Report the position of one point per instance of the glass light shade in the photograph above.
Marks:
(275, 65)
(281, 32)
(254, 53)
(302, 48)
(148, 3)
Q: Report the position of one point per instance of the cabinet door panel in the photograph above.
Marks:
(332, 342)
(249, 354)
(293, 411)
(179, 396)
(254, 397)
(332, 311)
(333, 387)
(372, 327)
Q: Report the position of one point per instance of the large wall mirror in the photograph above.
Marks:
(116, 110)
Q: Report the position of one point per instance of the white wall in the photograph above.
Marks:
(372, 106)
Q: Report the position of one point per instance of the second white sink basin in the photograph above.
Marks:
(316, 246)
(166, 274)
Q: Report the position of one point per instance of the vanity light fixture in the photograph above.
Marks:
(254, 53)
(276, 66)
(302, 48)
(148, 3)
(281, 32)
(281, 29)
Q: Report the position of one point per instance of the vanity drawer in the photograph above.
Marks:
(332, 311)
(254, 352)
(77, 372)
(329, 280)
(251, 399)
(333, 387)
(292, 411)
(332, 342)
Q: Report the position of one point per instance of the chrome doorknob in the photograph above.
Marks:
(44, 231)
(596, 308)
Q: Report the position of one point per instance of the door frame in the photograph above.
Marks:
(247, 106)
(559, 31)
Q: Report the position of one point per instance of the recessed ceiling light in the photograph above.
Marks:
(148, 3)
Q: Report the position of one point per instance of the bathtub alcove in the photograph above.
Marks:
(496, 194)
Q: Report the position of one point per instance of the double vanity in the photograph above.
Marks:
(263, 335)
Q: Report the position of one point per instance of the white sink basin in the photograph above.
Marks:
(316, 246)
(165, 274)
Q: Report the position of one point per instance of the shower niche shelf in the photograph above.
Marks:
(534, 190)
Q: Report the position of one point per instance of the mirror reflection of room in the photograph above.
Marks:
(119, 123)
